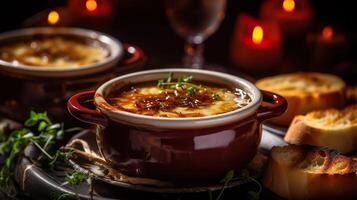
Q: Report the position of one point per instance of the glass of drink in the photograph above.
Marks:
(195, 20)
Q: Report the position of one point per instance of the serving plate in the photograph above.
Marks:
(276, 129)
(42, 184)
(114, 47)
(87, 142)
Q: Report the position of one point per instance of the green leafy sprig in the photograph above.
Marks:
(182, 83)
(230, 176)
(73, 179)
(76, 178)
(42, 133)
(215, 96)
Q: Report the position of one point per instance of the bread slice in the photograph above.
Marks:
(336, 129)
(305, 92)
(298, 172)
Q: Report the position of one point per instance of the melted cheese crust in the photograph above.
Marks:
(54, 52)
(227, 101)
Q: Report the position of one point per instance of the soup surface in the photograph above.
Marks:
(181, 98)
(56, 51)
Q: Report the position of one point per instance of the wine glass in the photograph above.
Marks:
(195, 20)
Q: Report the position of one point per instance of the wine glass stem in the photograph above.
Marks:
(193, 55)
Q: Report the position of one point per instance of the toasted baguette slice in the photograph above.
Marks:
(327, 128)
(305, 92)
(298, 172)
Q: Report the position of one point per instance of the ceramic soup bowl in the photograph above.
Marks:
(177, 149)
(50, 42)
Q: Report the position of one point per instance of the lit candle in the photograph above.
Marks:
(91, 8)
(91, 5)
(59, 16)
(294, 16)
(256, 45)
(93, 14)
(53, 17)
(328, 47)
(327, 36)
(257, 35)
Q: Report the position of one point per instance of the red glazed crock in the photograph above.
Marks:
(177, 149)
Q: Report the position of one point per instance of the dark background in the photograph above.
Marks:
(341, 13)
(143, 22)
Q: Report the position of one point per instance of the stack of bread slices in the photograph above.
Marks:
(319, 161)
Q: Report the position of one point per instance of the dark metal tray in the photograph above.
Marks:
(42, 184)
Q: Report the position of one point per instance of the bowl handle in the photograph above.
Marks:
(84, 113)
(273, 105)
(133, 55)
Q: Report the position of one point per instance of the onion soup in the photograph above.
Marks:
(181, 98)
(54, 51)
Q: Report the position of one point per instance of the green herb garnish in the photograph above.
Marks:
(61, 154)
(253, 194)
(190, 91)
(215, 96)
(160, 83)
(76, 178)
(229, 176)
(73, 179)
(187, 79)
(182, 83)
(42, 133)
(244, 175)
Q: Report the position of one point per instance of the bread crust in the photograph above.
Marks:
(301, 101)
(342, 139)
(276, 176)
(334, 179)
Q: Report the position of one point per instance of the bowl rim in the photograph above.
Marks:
(181, 123)
(114, 47)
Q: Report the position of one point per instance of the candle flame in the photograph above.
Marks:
(91, 5)
(289, 5)
(327, 32)
(53, 17)
(257, 35)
